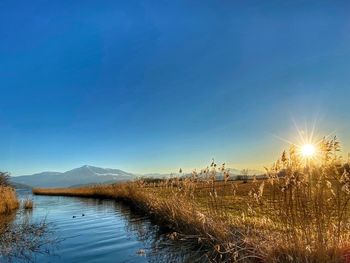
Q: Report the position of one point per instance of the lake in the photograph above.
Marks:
(91, 230)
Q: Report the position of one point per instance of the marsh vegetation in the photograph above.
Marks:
(8, 200)
(28, 204)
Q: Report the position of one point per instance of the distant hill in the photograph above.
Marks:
(79, 176)
(89, 175)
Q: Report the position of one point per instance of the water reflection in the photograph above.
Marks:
(21, 239)
(92, 230)
(158, 244)
(6, 220)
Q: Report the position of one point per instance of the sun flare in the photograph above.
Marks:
(308, 150)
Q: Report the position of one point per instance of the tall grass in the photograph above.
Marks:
(310, 205)
(8, 200)
(299, 213)
(28, 204)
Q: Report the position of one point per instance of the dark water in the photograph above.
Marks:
(108, 232)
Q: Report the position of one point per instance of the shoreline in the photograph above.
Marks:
(187, 223)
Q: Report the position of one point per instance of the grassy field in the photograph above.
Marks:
(300, 213)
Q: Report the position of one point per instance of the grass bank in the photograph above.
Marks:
(300, 213)
(8, 200)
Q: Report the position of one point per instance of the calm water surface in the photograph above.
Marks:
(108, 232)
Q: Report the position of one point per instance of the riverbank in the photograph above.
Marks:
(171, 207)
(223, 216)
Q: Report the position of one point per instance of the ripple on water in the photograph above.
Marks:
(108, 232)
(100, 236)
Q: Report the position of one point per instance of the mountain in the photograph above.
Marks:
(83, 175)
(87, 175)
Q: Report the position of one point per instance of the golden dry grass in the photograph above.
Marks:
(8, 200)
(28, 204)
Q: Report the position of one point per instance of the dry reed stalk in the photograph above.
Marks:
(8, 200)
(28, 204)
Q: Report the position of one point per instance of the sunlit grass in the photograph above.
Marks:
(28, 204)
(8, 198)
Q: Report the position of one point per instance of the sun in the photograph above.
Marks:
(308, 143)
(308, 150)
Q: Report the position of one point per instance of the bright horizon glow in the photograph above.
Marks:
(308, 150)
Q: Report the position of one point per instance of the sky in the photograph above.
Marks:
(151, 86)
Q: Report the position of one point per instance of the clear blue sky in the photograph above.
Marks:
(151, 86)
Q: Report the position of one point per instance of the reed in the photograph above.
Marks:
(8, 200)
(28, 204)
